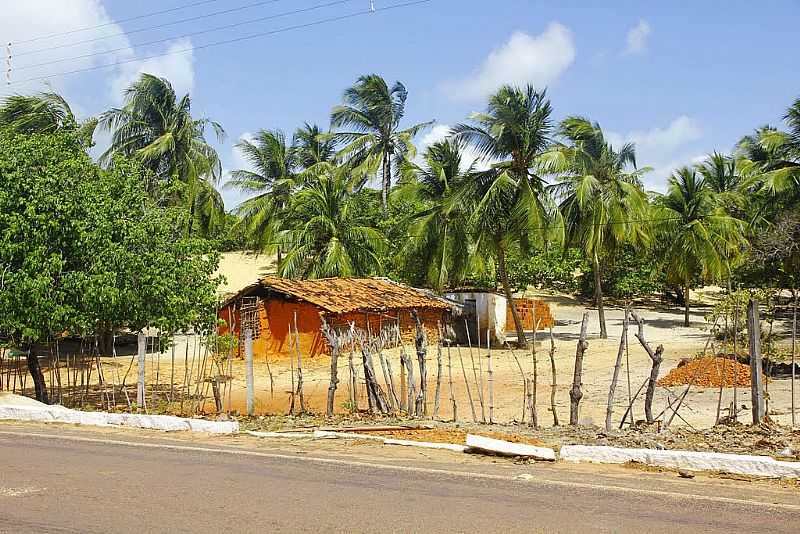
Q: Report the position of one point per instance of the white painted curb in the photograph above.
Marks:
(761, 466)
(426, 444)
(329, 434)
(289, 435)
(59, 414)
(510, 449)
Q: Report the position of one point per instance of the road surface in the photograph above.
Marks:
(62, 480)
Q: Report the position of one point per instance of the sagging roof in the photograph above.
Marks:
(343, 295)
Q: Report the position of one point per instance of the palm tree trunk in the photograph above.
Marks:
(387, 184)
(522, 341)
(598, 297)
(686, 304)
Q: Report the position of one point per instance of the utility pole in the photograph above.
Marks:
(8, 63)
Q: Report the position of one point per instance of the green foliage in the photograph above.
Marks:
(324, 236)
(368, 125)
(551, 268)
(157, 128)
(633, 273)
(83, 249)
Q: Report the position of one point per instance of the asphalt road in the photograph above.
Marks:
(53, 481)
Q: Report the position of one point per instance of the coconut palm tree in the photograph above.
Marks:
(324, 237)
(157, 128)
(272, 182)
(509, 201)
(369, 126)
(602, 202)
(723, 175)
(698, 234)
(313, 146)
(46, 112)
(440, 232)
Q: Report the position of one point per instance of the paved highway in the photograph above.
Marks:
(66, 480)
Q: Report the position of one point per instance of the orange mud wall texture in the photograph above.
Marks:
(273, 338)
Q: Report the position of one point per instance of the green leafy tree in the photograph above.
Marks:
(439, 233)
(84, 250)
(509, 202)
(324, 236)
(46, 112)
(368, 123)
(697, 233)
(602, 202)
(157, 128)
(311, 146)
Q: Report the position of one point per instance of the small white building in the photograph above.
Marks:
(484, 310)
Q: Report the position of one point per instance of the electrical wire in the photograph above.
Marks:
(111, 23)
(148, 28)
(227, 41)
(192, 34)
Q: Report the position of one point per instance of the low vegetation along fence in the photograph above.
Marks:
(368, 371)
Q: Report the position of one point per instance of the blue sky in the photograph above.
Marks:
(679, 78)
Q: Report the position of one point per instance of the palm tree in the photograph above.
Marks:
(44, 113)
(313, 146)
(440, 232)
(697, 233)
(372, 112)
(273, 182)
(602, 201)
(509, 201)
(324, 237)
(723, 176)
(158, 128)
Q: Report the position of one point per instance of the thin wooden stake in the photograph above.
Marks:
(490, 377)
(575, 394)
(475, 374)
(249, 378)
(617, 365)
(141, 341)
(466, 384)
(453, 404)
(756, 372)
(553, 384)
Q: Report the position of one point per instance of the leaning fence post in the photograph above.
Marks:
(575, 394)
(248, 357)
(756, 380)
(141, 341)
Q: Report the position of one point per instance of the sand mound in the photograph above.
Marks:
(709, 371)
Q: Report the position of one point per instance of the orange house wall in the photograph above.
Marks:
(276, 315)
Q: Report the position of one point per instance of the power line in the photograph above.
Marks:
(111, 23)
(228, 41)
(193, 34)
(148, 28)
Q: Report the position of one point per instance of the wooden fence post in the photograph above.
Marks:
(141, 341)
(756, 374)
(656, 357)
(248, 357)
(617, 365)
(575, 393)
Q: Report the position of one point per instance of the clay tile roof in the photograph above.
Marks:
(342, 295)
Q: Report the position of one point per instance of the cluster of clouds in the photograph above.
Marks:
(30, 19)
(538, 58)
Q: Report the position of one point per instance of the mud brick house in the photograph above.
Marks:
(270, 306)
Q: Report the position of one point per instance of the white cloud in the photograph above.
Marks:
(176, 64)
(24, 20)
(539, 59)
(636, 41)
(663, 148)
(28, 19)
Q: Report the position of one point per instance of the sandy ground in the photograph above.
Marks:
(662, 326)
(241, 269)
